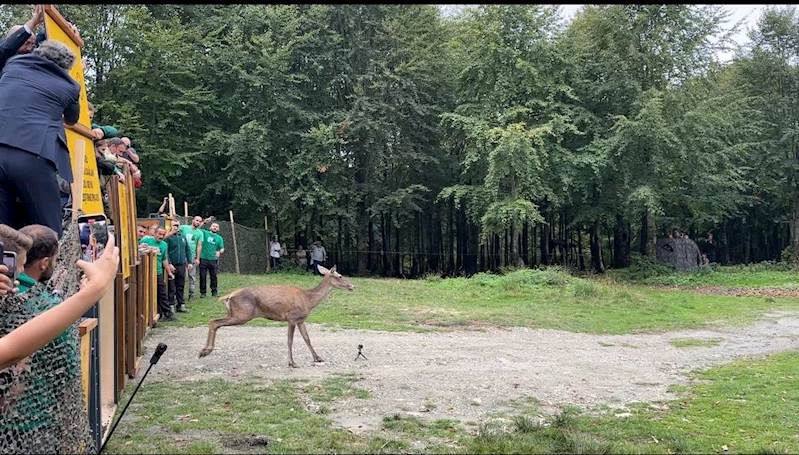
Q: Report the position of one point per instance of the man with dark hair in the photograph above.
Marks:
(35, 92)
(162, 265)
(180, 259)
(41, 259)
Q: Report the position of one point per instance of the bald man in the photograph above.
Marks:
(20, 38)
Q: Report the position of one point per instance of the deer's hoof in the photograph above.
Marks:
(319, 360)
(293, 365)
(205, 352)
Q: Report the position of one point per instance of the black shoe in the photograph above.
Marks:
(202, 296)
(182, 309)
(214, 295)
(171, 318)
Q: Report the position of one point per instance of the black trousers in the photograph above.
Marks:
(163, 301)
(177, 286)
(275, 262)
(210, 267)
(32, 179)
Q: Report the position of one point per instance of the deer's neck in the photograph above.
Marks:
(320, 292)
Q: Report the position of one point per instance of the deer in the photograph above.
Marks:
(285, 303)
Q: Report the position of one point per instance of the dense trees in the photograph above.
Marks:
(414, 143)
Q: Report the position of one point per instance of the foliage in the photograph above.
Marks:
(466, 142)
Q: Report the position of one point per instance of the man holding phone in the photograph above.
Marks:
(162, 267)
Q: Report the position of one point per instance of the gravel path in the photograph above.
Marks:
(468, 374)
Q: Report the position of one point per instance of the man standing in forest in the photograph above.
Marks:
(212, 247)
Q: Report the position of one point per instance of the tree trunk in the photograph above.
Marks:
(795, 231)
(596, 247)
(621, 243)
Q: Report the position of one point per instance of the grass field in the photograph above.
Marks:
(526, 298)
(749, 406)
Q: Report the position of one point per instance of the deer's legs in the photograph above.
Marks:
(304, 333)
(290, 341)
(213, 326)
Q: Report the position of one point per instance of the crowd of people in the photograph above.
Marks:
(181, 253)
(37, 98)
(318, 255)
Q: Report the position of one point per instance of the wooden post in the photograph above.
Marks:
(171, 206)
(185, 209)
(235, 247)
(77, 180)
(268, 260)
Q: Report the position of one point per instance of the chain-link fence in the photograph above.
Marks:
(251, 244)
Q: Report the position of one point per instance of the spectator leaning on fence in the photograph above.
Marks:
(36, 90)
(161, 268)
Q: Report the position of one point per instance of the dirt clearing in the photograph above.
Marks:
(468, 375)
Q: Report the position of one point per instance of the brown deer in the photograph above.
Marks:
(277, 303)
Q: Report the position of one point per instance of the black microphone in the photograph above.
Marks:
(159, 351)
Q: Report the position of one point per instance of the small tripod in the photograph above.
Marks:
(360, 354)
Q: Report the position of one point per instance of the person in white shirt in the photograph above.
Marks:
(274, 252)
(318, 256)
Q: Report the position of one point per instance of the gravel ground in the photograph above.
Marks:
(467, 375)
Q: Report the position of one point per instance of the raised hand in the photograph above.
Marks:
(101, 273)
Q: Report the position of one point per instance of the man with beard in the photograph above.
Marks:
(212, 247)
(181, 258)
(41, 258)
(194, 235)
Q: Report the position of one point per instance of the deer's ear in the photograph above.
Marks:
(333, 269)
(323, 270)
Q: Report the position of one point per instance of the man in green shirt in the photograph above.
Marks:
(180, 258)
(212, 247)
(194, 235)
(162, 265)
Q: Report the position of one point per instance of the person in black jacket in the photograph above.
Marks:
(37, 94)
(20, 38)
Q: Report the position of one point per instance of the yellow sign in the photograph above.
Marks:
(124, 221)
(91, 202)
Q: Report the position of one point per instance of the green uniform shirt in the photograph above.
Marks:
(162, 251)
(211, 244)
(178, 249)
(25, 282)
(193, 236)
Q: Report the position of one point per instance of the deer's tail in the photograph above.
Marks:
(226, 298)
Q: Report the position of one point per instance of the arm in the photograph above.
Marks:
(11, 45)
(44, 328)
(189, 257)
(221, 246)
(163, 206)
(134, 156)
(199, 247)
(72, 113)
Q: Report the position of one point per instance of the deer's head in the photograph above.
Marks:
(338, 281)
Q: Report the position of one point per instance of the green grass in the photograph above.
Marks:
(530, 298)
(749, 406)
(754, 275)
(695, 342)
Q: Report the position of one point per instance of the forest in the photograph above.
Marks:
(414, 142)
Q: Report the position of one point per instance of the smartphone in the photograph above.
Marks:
(93, 230)
(10, 261)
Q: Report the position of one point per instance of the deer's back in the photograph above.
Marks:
(275, 302)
